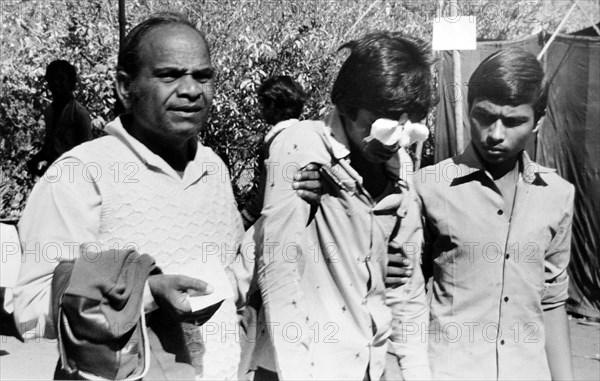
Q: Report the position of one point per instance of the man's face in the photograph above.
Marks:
(500, 133)
(357, 130)
(58, 84)
(173, 91)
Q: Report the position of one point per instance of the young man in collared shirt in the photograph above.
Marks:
(498, 233)
(322, 270)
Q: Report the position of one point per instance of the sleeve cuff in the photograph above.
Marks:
(556, 293)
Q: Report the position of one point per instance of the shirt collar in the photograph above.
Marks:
(337, 136)
(530, 171)
(276, 129)
(193, 171)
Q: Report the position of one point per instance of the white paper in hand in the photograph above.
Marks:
(215, 276)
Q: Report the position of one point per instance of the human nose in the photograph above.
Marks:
(190, 88)
(497, 130)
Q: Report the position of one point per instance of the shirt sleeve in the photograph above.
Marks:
(283, 241)
(557, 259)
(62, 213)
(410, 311)
(240, 266)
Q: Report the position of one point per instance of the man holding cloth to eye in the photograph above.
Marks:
(327, 314)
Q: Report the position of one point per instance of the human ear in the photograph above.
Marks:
(538, 125)
(124, 88)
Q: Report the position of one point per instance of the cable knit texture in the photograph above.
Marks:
(189, 225)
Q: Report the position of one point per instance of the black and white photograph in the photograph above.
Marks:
(291, 190)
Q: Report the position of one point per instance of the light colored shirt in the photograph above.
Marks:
(115, 193)
(252, 210)
(328, 313)
(496, 267)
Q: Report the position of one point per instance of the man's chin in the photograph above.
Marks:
(187, 129)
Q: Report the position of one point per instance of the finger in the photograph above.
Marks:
(398, 260)
(199, 287)
(307, 174)
(308, 196)
(183, 304)
(312, 167)
(310, 185)
(396, 272)
(395, 282)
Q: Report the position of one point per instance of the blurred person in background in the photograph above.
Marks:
(281, 100)
(68, 123)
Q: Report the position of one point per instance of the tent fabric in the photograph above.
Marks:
(569, 139)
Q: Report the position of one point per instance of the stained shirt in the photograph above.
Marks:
(495, 267)
(252, 210)
(322, 271)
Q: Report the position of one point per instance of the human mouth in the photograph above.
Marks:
(187, 108)
(496, 150)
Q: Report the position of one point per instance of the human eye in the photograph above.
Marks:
(168, 76)
(484, 117)
(513, 122)
(203, 76)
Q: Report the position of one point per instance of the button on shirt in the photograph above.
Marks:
(322, 271)
(495, 267)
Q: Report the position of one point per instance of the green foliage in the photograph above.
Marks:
(250, 40)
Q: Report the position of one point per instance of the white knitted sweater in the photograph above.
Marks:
(189, 225)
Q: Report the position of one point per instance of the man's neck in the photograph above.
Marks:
(177, 153)
(374, 176)
(61, 100)
(500, 169)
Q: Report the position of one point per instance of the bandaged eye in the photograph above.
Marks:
(402, 131)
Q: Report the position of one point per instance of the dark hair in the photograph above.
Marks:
(510, 77)
(281, 98)
(129, 54)
(62, 66)
(388, 74)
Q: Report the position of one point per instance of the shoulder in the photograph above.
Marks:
(549, 179)
(435, 176)
(556, 182)
(106, 149)
(304, 132)
(78, 108)
(209, 159)
(303, 142)
(562, 191)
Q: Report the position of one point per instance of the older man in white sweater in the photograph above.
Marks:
(149, 184)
